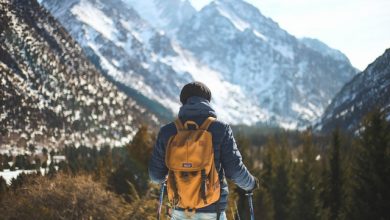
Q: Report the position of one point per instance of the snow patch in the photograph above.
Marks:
(236, 21)
(288, 125)
(284, 50)
(260, 35)
(302, 110)
(89, 14)
(9, 175)
(148, 10)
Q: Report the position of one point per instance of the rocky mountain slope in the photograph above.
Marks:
(257, 71)
(51, 95)
(367, 91)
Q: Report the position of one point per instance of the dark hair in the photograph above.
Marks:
(194, 89)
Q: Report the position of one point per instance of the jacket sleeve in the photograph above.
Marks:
(232, 162)
(157, 168)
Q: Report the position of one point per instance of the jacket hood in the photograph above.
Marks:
(196, 107)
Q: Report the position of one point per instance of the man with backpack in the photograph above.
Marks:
(193, 155)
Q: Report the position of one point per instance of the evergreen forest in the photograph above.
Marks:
(303, 175)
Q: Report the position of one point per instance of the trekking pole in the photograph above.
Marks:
(238, 214)
(163, 185)
(250, 194)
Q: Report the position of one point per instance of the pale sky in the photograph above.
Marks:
(358, 28)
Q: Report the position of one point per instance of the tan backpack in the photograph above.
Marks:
(193, 180)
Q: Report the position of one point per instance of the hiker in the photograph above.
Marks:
(196, 184)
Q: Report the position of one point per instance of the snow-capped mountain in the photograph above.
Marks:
(292, 80)
(166, 15)
(368, 90)
(257, 71)
(134, 53)
(50, 94)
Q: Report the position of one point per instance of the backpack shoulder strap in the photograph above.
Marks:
(207, 123)
(179, 125)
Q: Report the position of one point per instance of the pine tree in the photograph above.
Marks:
(335, 177)
(2, 159)
(280, 185)
(21, 162)
(71, 156)
(38, 163)
(370, 178)
(246, 151)
(264, 200)
(323, 188)
(32, 149)
(268, 165)
(18, 182)
(52, 171)
(45, 152)
(99, 170)
(52, 153)
(263, 205)
(7, 160)
(105, 155)
(46, 157)
(305, 198)
(141, 146)
(94, 156)
(3, 186)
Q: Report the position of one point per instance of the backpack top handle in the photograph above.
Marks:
(190, 123)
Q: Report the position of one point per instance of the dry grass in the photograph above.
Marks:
(65, 197)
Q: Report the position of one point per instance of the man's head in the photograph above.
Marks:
(194, 89)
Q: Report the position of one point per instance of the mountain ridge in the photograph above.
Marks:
(266, 77)
(367, 91)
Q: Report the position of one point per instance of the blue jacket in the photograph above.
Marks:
(227, 155)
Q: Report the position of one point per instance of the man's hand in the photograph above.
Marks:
(259, 183)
